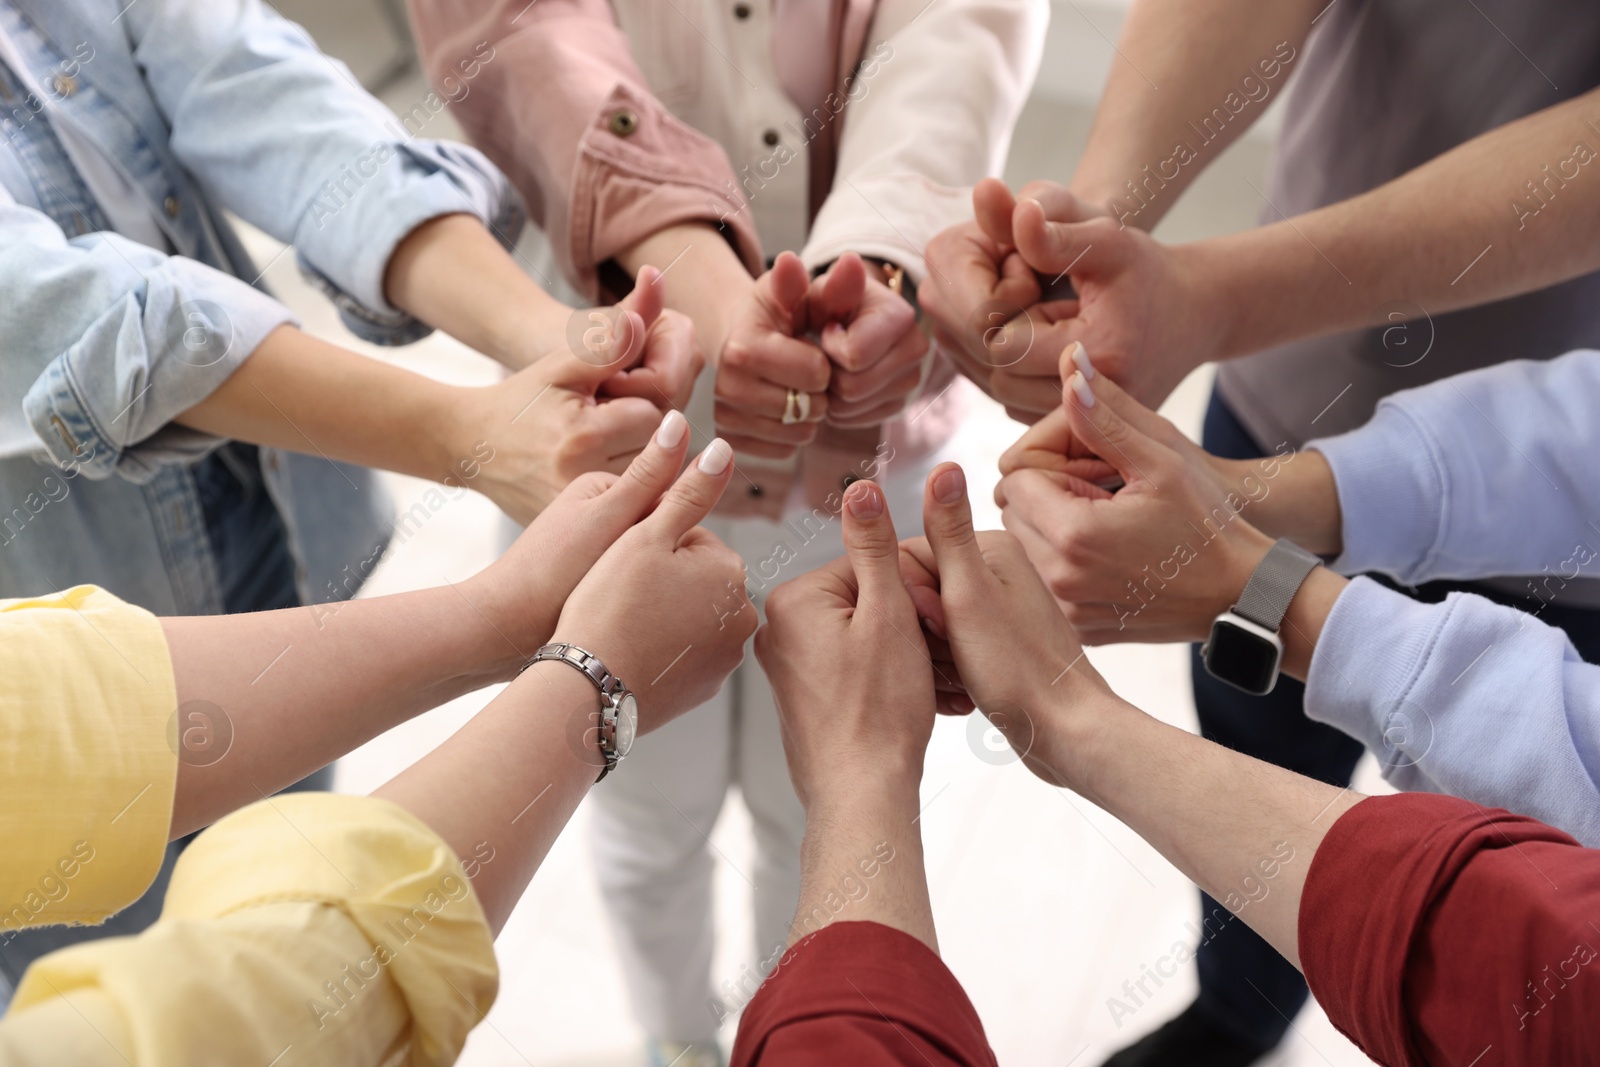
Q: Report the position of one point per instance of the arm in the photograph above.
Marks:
(861, 980)
(519, 441)
(542, 110)
(1177, 62)
(1428, 688)
(958, 73)
(1485, 919)
(345, 191)
(1484, 939)
(364, 925)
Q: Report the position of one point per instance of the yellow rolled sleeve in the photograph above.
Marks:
(307, 929)
(86, 770)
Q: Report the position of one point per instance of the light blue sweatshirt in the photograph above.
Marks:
(1495, 472)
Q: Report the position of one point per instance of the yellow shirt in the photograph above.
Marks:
(307, 929)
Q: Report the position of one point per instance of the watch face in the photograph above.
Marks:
(1242, 658)
(627, 724)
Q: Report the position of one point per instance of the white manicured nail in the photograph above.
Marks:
(1080, 356)
(715, 459)
(671, 430)
(1081, 389)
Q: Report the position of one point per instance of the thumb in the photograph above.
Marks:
(1104, 429)
(874, 551)
(611, 339)
(839, 295)
(992, 206)
(648, 296)
(1151, 423)
(1055, 247)
(947, 519)
(783, 291)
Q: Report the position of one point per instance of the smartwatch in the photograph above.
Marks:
(619, 710)
(1244, 649)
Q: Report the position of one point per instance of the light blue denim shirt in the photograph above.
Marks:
(205, 106)
(1487, 473)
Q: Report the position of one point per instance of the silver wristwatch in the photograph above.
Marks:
(1244, 649)
(619, 710)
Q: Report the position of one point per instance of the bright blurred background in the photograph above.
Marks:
(1045, 905)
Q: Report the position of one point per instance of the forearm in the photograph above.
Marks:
(451, 273)
(1177, 62)
(268, 697)
(302, 394)
(704, 277)
(861, 861)
(501, 789)
(1445, 236)
(1242, 830)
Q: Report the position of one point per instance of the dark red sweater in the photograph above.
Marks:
(1434, 931)
(861, 993)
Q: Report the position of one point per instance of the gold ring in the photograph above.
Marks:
(792, 407)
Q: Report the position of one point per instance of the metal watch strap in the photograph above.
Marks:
(609, 685)
(1274, 582)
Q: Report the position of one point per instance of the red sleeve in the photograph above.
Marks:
(1433, 931)
(861, 993)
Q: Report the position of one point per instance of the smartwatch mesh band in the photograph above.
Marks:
(1272, 586)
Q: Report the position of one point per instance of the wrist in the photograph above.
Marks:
(882, 790)
(1073, 729)
(571, 708)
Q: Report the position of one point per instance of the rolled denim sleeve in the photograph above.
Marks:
(283, 136)
(106, 341)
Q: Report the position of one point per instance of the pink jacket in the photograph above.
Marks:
(616, 118)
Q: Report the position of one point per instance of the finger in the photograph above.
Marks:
(648, 296)
(763, 398)
(784, 361)
(782, 293)
(898, 373)
(1076, 358)
(1133, 452)
(873, 334)
(652, 472)
(1032, 397)
(947, 520)
(873, 549)
(836, 296)
(695, 493)
(617, 428)
(672, 362)
(744, 423)
(759, 449)
(1058, 247)
(857, 417)
(992, 205)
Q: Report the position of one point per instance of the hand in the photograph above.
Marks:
(1006, 632)
(765, 355)
(529, 436)
(524, 590)
(1159, 559)
(665, 606)
(1050, 444)
(848, 665)
(870, 334)
(672, 358)
(1139, 306)
(984, 300)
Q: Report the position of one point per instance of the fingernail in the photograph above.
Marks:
(1080, 388)
(1031, 200)
(950, 486)
(671, 429)
(864, 501)
(715, 459)
(1080, 356)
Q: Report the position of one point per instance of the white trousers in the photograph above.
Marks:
(652, 818)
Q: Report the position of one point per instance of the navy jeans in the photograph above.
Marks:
(1245, 986)
(257, 574)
